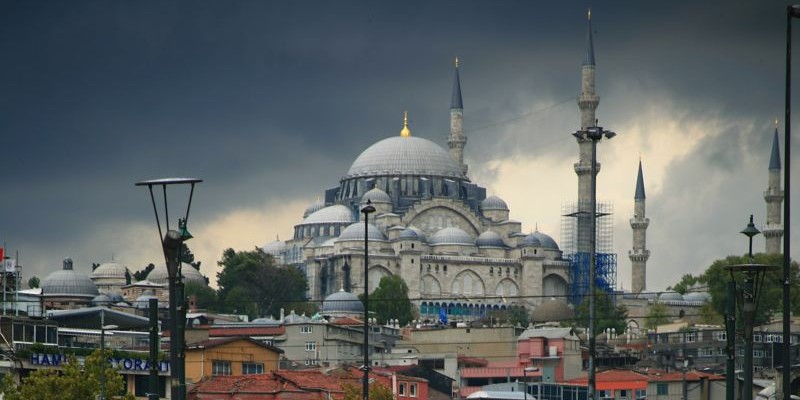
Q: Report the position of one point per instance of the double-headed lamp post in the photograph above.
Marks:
(172, 246)
(595, 134)
(751, 276)
(525, 377)
(366, 210)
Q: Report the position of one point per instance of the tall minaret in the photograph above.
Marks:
(587, 102)
(639, 254)
(456, 141)
(773, 231)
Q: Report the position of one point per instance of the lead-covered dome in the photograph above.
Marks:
(494, 203)
(336, 213)
(376, 195)
(405, 155)
(190, 274)
(551, 310)
(312, 208)
(451, 235)
(412, 233)
(68, 282)
(275, 248)
(110, 270)
(356, 232)
(342, 302)
(490, 239)
(545, 240)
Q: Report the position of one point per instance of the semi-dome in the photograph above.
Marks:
(190, 274)
(316, 206)
(342, 302)
(670, 296)
(412, 233)
(490, 239)
(545, 240)
(336, 213)
(355, 231)
(405, 155)
(110, 270)
(451, 235)
(376, 195)
(552, 309)
(494, 203)
(531, 240)
(275, 247)
(68, 282)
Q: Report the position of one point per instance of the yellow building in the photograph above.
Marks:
(234, 356)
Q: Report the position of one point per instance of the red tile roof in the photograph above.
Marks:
(497, 372)
(218, 342)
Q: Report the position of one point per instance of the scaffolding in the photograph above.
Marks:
(576, 244)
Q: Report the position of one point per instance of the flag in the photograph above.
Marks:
(443, 315)
(2, 253)
(10, 265)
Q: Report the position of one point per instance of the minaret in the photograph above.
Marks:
(773, 231)
(639, 254)
(587, 102)
(456, 141)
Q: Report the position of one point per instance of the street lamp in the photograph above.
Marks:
(366, 210)
(595, 134)
(172, 247)
(103, 358)
(752, 278)
(791, 12)
(525, 377)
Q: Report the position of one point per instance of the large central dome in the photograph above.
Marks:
(405, 155)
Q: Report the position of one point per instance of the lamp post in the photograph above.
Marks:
(525, 377)
(595, 134)
(172, 247)
(752, 278)
(103, 358)
(792, 11)
(366, 210)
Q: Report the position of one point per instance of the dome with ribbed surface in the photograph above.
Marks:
(316, 206)
(68, 282)
(552, 309)
(190, 274)
(110, 270)
(494, 203)
(342, 302)
(489, 239)
(531, 240)
(413, 233)
(356, 232)
(670, 296)
(336, 213)
(408, 155)
(451, 235)
(376, 195)
(101, 300)
(697, 296)
(274, 248)
(545, 240)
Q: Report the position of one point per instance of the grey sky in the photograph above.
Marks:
(270, 102)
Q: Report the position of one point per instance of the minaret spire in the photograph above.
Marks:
(405, 132)
(773, 231)
(457, 141)
(639, 254)
(589, 57)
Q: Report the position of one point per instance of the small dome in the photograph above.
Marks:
(342, 302)
(551, 310)
(490, 239)
(356, 232)
(494, 203)
(190, 274)
(376, 196)
(670, 296)
(274, 248)
(452, 235)
(101, 300)
(412, 233)
(67, 282)
(531, 240)
(318, 205)
(336, 213)
(545, 240)
(697, 296)
(110, 270)
(115, 297)
(143, 301)
(293, 318)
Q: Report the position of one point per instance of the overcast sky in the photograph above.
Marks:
(270, 101)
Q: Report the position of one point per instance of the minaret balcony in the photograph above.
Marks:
(773, 195)
(639, 254)
(640, 223)
(585, 168)
(772, 230)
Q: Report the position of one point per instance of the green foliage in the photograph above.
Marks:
(377, 391)
(142, 274)
(686, 282)
(607, 314)
(250, 283)
(513, 315)
(33, 283)
(188, 258)
(390, 300)
(73, 382)
(657, 315)
(206, 296)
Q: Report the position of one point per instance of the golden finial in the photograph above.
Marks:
(456, 61)
(589, 14)
(405, 132)
(776, 123)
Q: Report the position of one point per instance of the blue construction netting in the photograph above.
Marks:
(605, 277)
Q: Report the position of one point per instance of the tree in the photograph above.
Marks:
(607, 314)
(657, 315)
(252, 284)
(205, 296)
(390, 300)
(142, 274)
(33, 283)
(377, 391)
(73, 382)
(188, 258)
(686, 282)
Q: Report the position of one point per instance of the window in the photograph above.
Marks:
(662, 389)
(759, 353)
(606, 394)
(757, 337)
(401, 390)
(706, 352)
(305, 329)
(623, 394)
(412, 390)
(219, 367)
(722, 336)
(691, 337)
(311, 346)
(641, 394)
(252, 368)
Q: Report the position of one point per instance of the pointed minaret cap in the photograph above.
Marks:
(639, 184)
(405, 132)
(588, 59)
(775, 157)
(455, 102)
